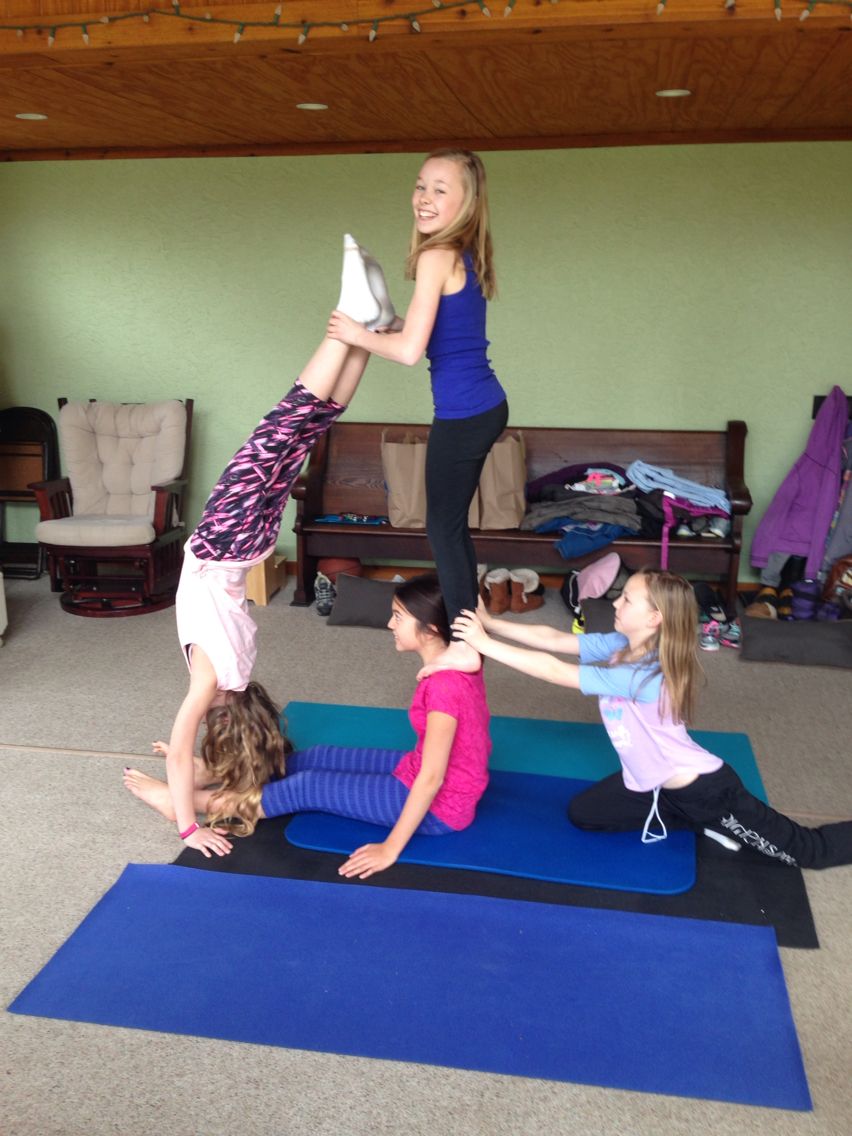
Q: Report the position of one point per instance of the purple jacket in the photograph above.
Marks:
(799, 515)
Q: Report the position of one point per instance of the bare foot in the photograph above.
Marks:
(458, 656)
(148, 789)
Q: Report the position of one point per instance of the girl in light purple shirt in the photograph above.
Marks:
(645, 675)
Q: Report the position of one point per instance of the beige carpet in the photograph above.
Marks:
(78, 696)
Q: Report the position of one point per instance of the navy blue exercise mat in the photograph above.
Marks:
(521, 830)
(647, 1003)
(580, 750)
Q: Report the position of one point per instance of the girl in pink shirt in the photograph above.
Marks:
(645, 675)
(431, 790)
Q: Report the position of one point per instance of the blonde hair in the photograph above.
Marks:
(470, 231)
(243, 749)
(675, 641)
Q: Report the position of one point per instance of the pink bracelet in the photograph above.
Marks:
(192, 828)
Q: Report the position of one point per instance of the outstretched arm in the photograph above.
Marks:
(537, 635)
(180, 770)
(434, 267)
(538, 664)
(372, 858)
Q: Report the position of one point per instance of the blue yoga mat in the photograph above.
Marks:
(580, 750)
(521, 830)
(642, 1002)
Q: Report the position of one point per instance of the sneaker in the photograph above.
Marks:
(683, 530)
(730, 635)
(708, 639)
(718, 527)
(325, 594)
(710, 605)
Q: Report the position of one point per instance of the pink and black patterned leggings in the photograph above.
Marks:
(243, 513)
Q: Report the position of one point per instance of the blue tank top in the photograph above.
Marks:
(463, 382)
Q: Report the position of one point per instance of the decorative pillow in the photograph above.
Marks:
(361, 602)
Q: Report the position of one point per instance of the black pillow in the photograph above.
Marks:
(361, 602)
(810, 642)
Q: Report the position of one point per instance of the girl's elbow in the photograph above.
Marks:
(431, 784)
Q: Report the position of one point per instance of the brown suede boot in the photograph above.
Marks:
(526, 590)
(496, 586)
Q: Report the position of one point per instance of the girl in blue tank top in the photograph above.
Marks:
(450, 261)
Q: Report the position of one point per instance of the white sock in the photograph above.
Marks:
(356, 297)
(379, 288)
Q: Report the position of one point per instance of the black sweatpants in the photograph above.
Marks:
(455, 456)
(719, 801)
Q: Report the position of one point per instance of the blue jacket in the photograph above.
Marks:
(799, 515)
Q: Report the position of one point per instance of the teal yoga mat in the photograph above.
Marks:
(579, 750)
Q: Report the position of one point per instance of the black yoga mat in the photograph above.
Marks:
(734, 887)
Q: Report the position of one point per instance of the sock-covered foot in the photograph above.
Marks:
(379, 288)
(356, 296)
(148, 789)
(458, 656)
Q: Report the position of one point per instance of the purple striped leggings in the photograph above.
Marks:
(243, 513)
(349, 782)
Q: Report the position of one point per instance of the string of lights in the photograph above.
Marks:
(302, 28)
(731, 7)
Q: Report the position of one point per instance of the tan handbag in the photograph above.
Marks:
(404, 468)
(502, 495)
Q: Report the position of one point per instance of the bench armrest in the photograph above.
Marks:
(735, 485)
(308, 490)
(167, 501)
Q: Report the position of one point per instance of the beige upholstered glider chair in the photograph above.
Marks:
(113, 528)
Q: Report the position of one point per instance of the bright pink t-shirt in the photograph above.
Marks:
(462, 696)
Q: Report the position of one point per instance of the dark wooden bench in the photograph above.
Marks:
(344, 475)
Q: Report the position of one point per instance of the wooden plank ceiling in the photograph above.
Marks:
(574, 73)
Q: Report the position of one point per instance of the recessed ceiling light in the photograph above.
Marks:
(28, 116)
(673, 93)
(311, 106)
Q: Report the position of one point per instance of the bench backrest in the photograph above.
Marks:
(354, 481)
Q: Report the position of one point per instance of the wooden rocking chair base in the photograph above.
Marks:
(102, 605)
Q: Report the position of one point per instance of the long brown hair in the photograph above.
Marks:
(675, 642)
(243, 749)
(471, 229)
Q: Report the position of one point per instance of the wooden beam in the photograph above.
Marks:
(420, 145)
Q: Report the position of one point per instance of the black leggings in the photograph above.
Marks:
(455, 456)
(719, 801)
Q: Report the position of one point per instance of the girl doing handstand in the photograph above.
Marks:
(238, 529)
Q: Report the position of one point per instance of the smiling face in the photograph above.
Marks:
(635, 616)
(407, 633)
(439, 195)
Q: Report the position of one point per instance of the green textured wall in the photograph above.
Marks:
(670, 287)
